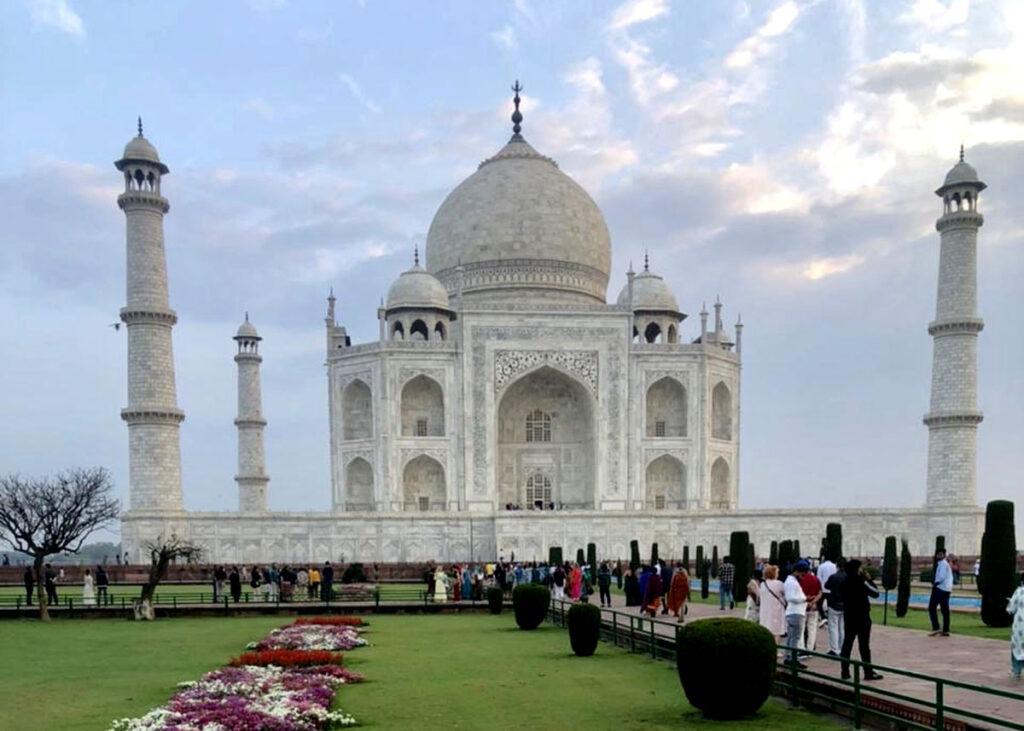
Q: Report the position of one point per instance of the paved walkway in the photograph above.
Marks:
(962, 658)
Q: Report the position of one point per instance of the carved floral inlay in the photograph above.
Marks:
(510, 363)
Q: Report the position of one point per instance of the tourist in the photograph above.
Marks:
(654, 591)
(302, 582)
(858, 590)
(558, 582)
(796, 611)
(327, 582)
(440, 586)
(604, 585)
(273, 588)
(102, 582)
(666, 583)
(456, 582)
(50, 577)
(314, 582)
(255, 581)
(1016, 608)
(813, 591)
(976, 571)
(213, 584)
(631, 588)
(753, 609)
(641, 588)
(287, 582)
(125, 560)
(220, 577)
(942, 587)
(575, 582)
(954, 564)
(678, 593)
(836, 626)
(726, 576)
(88, 589)
(235, 582)
(30, 584)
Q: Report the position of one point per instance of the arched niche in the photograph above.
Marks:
(720, 485)
(359, 485)
(422, 408)
(418, 330)
(721, 412)
(560, 441)
(666, 408)
(356, 411)
(666, 483)
(423, 485)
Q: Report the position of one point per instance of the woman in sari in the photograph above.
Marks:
(653, 592)
(679, 592)
(772, 604)
(467, 583)
(456, 584)
(753, 597)
(575, 582)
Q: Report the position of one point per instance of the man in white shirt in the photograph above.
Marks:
(825, 571)
(796, 610)
(942, 587)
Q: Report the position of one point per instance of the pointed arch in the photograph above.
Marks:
(666, 408)
(673, 334)
(419, 331)
(652, 333)
(398, 331)
(359, 485)
(721, 479)
(665, 483)
(422, 408)
(721, 412)
(439, 331)
(357, 411)
(423, 484)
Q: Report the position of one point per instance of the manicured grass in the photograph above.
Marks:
(79, 675)
(482, 672)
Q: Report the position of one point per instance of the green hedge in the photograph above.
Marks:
(726, 666)
(530, 604)
(495, 599)
(555, 556)
(584, 628)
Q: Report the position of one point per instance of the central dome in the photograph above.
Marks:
(521, 228)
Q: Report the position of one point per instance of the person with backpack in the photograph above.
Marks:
(604, 583)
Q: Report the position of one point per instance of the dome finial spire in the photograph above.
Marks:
(517, 116)
(140, 125)
(416, 255)
(647, 261)
(961, 153)
(247, 316)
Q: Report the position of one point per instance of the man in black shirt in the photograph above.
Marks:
(857, 591)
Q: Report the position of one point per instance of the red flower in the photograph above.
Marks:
(343, 621)
(287, 658)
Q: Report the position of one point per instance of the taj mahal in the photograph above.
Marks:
(507, 405)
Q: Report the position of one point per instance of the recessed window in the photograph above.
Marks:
(538, 427)
(659, 428)
(538, 489)
(421, 427)
(424, 503)
(659, 502)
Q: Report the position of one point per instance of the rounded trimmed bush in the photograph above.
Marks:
(530, 603)
(584, 628)
(495, 598)
(726, 666)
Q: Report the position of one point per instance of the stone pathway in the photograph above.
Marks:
(974, 660)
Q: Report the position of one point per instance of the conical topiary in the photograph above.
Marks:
(903, 585)
(634, 555)
(833, 541)
(997, 579)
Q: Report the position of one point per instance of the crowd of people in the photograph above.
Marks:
(287, 584)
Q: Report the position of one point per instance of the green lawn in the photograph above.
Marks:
(434, 671)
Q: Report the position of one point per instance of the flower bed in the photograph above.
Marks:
(287, 658)
(341, 621)
(310, 637)
(251, 699)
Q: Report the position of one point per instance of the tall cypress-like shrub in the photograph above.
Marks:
(705, 579)
(940, 545)
(797, 555)
(555, 555)
(785, 558)
(889, 573)
(634, 555)
(903, 585)
(751, 561)
(698, 565)
(997, 579)
(686, 558)
(592, 560)
(654, 554)
(773, 554)
(714, 562)
(580, 558)
(833, 541)
(739, 549)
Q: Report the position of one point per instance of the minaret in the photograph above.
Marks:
(152, 414)
(252, 476)
(953, 417)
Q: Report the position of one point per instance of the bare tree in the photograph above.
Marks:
(43, 516)
(162, 554)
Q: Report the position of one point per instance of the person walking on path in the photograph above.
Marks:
(30, 584)
(858, 590)
(604, 584)
(654, 592)
(813, 590)
(1016, 608)
(88, 589)
(796, 611)
(631, 588)
(834, 607)
(558, 582)
(753, 608)
(772, 612)
(327, 582)
(942, 587)
(666, 583)
(575, 582)
(726, 576)
(235, 582)
(678, 593)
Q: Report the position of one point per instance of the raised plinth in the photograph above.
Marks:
(953, 419)
(152, 416)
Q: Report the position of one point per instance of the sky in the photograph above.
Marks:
(780, 155)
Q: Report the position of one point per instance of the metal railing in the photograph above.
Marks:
(931, 710)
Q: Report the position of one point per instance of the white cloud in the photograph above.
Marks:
(260, 107)
(506, 38)
(57, 14)
(357, 92)
(759, 44)
(820, 268)
(637, 11)
(934, 16)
